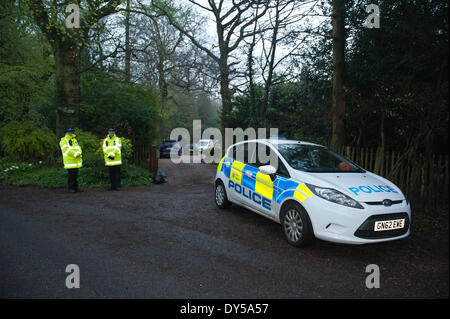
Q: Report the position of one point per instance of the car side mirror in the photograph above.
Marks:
(268, 170)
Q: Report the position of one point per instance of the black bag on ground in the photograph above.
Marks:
(160, 177)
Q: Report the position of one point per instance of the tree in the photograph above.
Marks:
(232, 22)
(170, 63)
(130, 107)
(338, 99)
(127, 44)
(25, 65)
(66, 44)
(281, 31)
(397, 76)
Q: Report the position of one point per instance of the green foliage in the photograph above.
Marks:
(107, 102)
(398, 74)
(95, 161)
(89, 142)
(24, 141)
(181, 109)
(92, 174)
(133, 175)
(25, 65)
(297, 109)
(396, 82)
(127, 148)
(22, 174)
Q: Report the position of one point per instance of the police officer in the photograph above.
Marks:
(72, 158)
(113, 159)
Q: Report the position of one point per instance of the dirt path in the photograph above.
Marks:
(170, 241)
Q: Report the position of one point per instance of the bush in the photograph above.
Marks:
(127, 148)
(44, 177)
(132, 109)
(21, 174)
(94, 161)
(89, 142)
(25, 142)
(94, 173)
(133, 175)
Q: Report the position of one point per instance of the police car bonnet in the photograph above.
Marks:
(363, 187)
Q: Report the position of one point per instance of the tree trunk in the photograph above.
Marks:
(269, 80)
(254, 109)
(225, 93)
(338, 98)
(163, 93)
(66, 44)
(67, 60)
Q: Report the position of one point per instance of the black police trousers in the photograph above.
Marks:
(72, 174)
(114, 176)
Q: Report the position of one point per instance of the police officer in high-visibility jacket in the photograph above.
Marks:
(72, 158)
(112, 149)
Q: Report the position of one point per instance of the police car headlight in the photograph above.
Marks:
(334, 196)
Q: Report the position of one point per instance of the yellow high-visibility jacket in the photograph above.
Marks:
(71, 151)
(112, 151)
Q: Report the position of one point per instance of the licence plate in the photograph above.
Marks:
(389, 224)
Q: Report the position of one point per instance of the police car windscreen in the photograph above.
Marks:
(316, 159)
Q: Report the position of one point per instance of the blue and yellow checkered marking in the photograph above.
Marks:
(250, 178)
(288, 188)
(248, 181)
(224, 167)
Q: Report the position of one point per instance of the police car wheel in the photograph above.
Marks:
(296, 225)
(221, 196)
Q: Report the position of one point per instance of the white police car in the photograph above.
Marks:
(313, 192)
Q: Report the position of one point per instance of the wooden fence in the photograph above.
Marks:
(141, 156)
(145, 156)
(424, 178)
(420, 177)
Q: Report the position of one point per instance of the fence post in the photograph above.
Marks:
(153, 160)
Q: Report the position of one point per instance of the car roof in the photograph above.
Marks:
(274, 141)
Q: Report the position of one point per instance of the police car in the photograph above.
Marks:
(312, 192)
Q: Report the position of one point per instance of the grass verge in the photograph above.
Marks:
(23, 174)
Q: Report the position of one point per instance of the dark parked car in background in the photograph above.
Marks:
(169, 147)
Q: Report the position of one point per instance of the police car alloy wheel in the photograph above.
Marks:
(296, 225)
(221, 196)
